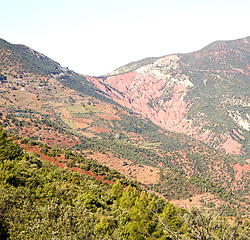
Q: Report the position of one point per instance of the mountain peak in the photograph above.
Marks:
(24, 59)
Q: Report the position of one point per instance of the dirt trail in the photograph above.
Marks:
(55, 161)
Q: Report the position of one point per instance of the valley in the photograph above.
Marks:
(176, 126)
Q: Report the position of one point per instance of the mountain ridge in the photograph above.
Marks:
(177, 74)
(64, 109)
(33, 61)
(139, 63)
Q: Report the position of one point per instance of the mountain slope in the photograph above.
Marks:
(18, 59)
(65, 110)
(204, 94)
(39, 201)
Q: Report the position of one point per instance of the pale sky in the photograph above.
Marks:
(94, 37)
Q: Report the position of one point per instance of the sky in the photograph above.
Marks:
(94, 37)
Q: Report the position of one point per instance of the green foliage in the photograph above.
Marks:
(218, 89)
(164, 148)
(204, 225)
(118, 212)
(175, 186)
(82, 85)
(38, 201)
(8, 149)
(3, 78)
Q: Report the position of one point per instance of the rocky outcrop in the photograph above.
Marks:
(158, 91)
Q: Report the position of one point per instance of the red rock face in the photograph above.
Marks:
(240, 169)
(231, 146)
(157, 91)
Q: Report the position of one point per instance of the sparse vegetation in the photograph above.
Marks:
(60, 116)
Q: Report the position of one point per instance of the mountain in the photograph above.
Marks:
(17, 59)
(203, 94)
(142, 123)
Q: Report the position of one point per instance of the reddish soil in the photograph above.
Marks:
(85, 120)
(239, 169)
(232, 146)
(55, 161)
(195, 201)
(65, 112)
(80, 123)
(141, 89)
(50, 136)
(90, 135)
(89, 173)
(142, 173)
(99, 130)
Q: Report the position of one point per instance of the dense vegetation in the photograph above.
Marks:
(40, 201)
(2, 77)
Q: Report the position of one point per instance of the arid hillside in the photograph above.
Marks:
(143, 120)
(204, 94)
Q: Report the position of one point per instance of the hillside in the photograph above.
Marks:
(63, 109)
(39, 200)
(18, 60)
(204, 94)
